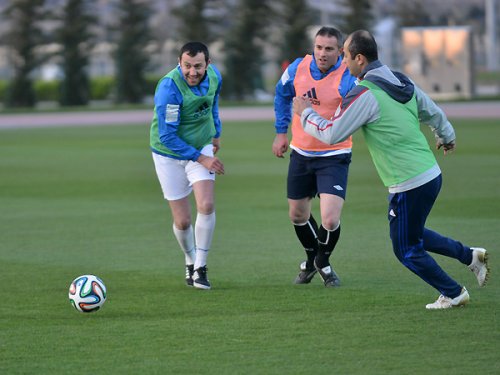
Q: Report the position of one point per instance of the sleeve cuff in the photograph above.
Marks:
(196, 155)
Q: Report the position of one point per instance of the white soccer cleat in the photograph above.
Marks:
(479, 265)
(444, 302)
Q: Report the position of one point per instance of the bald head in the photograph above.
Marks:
(361, 42)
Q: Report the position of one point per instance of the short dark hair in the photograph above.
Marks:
(331, 32)
(193, 48)
(363, 43)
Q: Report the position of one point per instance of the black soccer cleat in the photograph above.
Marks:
(306, 274)
(330, 278)
(200, 279)
(189, 274)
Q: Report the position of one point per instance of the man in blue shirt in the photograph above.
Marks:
(315, 168)
(388, 108)
(184, 136)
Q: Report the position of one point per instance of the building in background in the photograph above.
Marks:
(440, 60)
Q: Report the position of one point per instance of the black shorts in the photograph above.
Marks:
(311, 176)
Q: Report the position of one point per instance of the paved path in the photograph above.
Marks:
(480, 110)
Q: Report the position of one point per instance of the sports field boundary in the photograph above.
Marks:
(461, 110)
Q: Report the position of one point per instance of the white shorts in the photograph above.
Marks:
(178, 176)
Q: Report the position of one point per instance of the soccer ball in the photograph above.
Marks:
(87, 293)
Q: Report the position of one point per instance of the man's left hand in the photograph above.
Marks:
(299, 104)
(447, 147)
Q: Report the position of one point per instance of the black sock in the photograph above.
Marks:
(307, 235)
(327, 241)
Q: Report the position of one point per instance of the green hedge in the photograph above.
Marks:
(47, 90)
(3, 90)
(101, 88)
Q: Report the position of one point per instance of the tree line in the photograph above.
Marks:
(245, 28)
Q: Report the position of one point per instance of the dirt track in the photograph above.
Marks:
(480, 110)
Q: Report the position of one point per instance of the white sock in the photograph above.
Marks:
(186, 242)
(204, 231)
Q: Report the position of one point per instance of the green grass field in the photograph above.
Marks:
(86, 200)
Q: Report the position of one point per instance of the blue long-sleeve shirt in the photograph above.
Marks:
(168, 102)
(285, 90)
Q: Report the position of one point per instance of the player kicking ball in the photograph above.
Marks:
(184, 136)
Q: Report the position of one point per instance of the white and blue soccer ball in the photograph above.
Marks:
(87, 293)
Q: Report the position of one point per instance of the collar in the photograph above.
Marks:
(332, 68)
(373, 65)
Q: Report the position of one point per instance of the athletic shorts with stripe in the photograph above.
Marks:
(311, 176)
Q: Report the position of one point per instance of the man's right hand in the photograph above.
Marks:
(280, 144)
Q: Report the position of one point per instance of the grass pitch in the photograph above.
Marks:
(86, 200)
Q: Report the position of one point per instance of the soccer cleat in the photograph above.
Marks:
(200, 279)
(189, 274)
(479, 265)
(330, 278)
(444, 302)
(306, 274)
